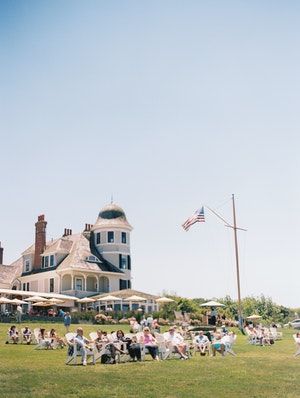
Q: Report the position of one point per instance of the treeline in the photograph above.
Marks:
(261, 305)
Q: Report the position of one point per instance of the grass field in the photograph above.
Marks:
(255, 372)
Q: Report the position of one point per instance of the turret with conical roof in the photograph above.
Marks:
(111, 234)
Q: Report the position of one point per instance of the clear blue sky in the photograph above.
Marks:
(167, 105)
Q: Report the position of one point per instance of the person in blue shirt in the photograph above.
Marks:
(67, 321)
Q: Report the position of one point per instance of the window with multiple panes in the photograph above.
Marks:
(122, 261)
(78, 284)
(27, 265)
(123, 237)
(48, 261)
(45, 262)
(98, 238)
(51, 286)
(26, 286)
(123, 284)
(110, 237)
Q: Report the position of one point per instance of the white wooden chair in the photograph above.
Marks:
(229, 340)
(172, 352)
(98, 353)
(162, 347)
(73, 352)
(42, 344)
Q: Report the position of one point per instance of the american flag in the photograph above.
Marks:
(198, 216)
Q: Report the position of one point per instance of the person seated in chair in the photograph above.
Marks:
(150, 343)
(217, 345)
(175, 341)
(134, 349)
(82, 345)
(115, 344)
(43, 340)
(13, 334)
(202, 342)
(27, 335)
(56, 339)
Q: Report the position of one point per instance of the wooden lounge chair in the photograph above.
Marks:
(72, 350)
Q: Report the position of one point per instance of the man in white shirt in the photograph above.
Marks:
(175, 341)
(202, 342)
(82, 345)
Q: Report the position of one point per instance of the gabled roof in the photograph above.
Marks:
(78, 255)
(76, 248)
(8, 273)
(61, 245)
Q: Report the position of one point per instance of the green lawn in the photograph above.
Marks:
(255, 372)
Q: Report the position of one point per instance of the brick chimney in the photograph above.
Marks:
(40, 241)
(1, 254)
(88, 227)
(67, 232)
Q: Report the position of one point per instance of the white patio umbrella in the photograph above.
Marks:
(85, 300)
(17, 301)
(254, 316)
(164, 300)
(212, 304)
(4, 300)
(55, 301)
(135, 298)
(109, 298)
(42, 304)
(36, 298)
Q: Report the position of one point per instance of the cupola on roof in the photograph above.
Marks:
(111, 211)
(112, 215)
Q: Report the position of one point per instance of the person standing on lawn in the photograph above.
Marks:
(67, 321)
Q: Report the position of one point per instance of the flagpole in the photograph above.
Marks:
(237, 264)
(235, 228)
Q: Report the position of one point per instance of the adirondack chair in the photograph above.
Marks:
(73, 351)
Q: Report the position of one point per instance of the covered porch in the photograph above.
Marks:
(82, 284)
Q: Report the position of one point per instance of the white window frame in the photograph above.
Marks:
(123, 264)
(51, 255)
(124, 243)
(114, 237)
(79, 279)
(27, 264)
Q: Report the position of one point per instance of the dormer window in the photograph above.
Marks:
(27, 265)
(93, 259)
(110, 237)
(48, 261)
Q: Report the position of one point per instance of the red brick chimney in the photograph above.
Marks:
(1, 254)
(40, 241)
